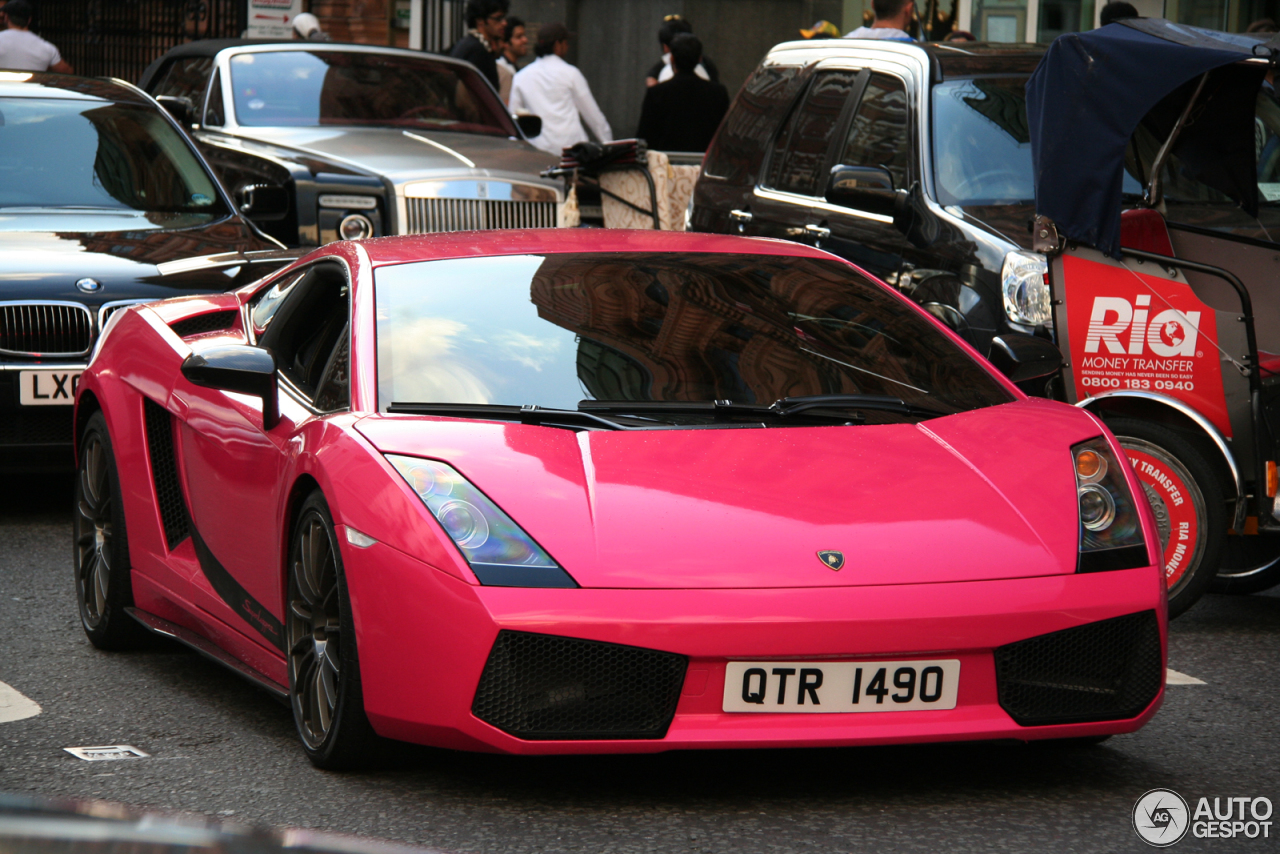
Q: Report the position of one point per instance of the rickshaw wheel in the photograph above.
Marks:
(1249, 565)
(1186, 495)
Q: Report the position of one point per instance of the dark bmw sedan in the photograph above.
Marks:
(104, 202)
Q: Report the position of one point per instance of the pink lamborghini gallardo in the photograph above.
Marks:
(584, 491)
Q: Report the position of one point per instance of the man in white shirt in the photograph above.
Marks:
(553, 89)
(892, 19)
(23, 50)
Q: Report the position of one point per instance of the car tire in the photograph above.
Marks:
(324, 668)
(1249, 565)
(1193, 531)
(101, 545)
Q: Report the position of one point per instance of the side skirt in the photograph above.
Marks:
(189, 638)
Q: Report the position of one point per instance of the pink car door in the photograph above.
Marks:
(238, 473)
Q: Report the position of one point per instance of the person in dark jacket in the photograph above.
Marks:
(486, 24)
(683, 113)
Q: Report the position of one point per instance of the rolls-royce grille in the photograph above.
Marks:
(426, 215)
(45, 329)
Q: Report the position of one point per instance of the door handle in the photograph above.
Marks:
(741, 218)
(817, 232)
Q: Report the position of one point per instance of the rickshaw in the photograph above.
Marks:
(1170, 329)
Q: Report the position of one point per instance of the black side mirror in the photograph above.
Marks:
(262, 201)
(238, 368)
(866, 188)
(530, 126)
(178, 106)
(1024, 357)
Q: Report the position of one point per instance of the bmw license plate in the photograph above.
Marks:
(840, 686)
(47, 388)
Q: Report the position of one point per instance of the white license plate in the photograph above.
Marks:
(47, 388)
(840, 686)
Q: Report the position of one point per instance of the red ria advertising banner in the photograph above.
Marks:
(1133, 331)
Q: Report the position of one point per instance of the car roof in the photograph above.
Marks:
(38, 84)
(950, 59)
(458, 244)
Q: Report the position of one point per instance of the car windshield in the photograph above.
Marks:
(99, 155)
(312, 88)
(556, 330)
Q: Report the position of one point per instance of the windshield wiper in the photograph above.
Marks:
(778, 409)
(879, 402)
(527, 414)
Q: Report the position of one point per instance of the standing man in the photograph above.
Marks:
(23, 50)
(486, 21)
(515, 46)
(892, 19)
(672, 26)
(683, 113)
(553, 89)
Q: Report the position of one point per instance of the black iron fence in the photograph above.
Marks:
(120, 38)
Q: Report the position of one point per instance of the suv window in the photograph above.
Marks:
(185, 78)
(754, 116)
(800, 151)
(880, 133)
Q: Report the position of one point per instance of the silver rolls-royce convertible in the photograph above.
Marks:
(320, 142)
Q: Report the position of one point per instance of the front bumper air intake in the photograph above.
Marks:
(542, 687)
(1108, 670)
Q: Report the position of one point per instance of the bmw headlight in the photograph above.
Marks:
(1110, 529)
(1025, 285)
(500, 552)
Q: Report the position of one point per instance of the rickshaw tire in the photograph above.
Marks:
(1208, 499)
(1261, 554)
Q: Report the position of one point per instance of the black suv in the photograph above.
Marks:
(912, 161)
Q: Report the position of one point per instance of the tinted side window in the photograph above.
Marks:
(214, 113)
(185, 78)
(751, 122)
(265, 305)
(880, 132)
(308, 329)
(800, 152)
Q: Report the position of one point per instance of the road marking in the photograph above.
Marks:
(1173, 677)
(14, 706)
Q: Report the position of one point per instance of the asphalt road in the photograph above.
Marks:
(222, 748)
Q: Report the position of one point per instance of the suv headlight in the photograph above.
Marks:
(500, 552)
(1110, 528)
(1025, 285)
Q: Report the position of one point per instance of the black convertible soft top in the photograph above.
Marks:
(1091, 91)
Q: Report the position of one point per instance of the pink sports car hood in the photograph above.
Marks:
(986, 494)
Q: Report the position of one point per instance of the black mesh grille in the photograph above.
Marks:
(208, 322)
(36, 425)
(547, 687)
(164, 470)
(1108, 670)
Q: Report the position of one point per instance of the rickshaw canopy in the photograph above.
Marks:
(1091, 91)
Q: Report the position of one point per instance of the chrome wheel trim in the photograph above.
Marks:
(94, 531)
(314, 631)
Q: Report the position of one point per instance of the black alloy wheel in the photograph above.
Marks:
(324, 671)
(1189, 501)
(103, 588)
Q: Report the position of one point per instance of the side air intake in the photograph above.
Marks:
(164, 471)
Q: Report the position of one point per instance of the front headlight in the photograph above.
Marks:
(500, 553)
(1025, 285)
(1110, 529)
